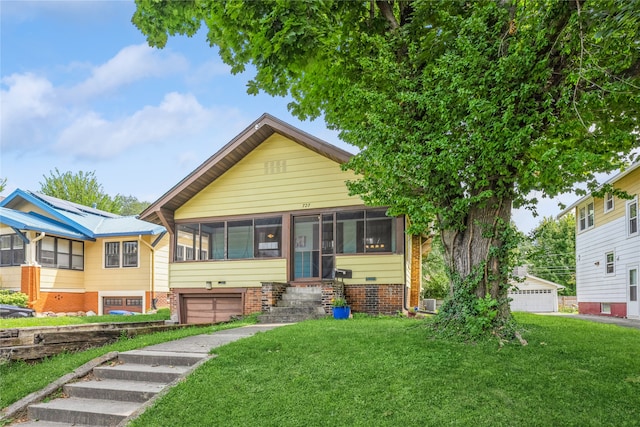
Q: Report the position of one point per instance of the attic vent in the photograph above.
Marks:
(275, 166)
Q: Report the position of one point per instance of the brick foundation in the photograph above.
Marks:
(162, 300)
(61, 302)
(618, 309)
(253, 300)
(375, 299)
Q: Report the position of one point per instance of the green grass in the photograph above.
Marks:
(392, 372)
(23, 322)
(18, 379)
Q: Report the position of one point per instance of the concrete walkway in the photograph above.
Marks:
(180, 356)
(629, 323)
(206, 342)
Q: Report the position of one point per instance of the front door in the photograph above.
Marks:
(313, 247)
(633, 306)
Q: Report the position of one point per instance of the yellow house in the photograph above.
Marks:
(68, 257)
(271, 211)
(608, 249)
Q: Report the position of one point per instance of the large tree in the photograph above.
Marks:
(460, 109)
(82, 188)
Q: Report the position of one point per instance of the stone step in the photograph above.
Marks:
(299, 303)
(146, 357)
(83, 411)
(287, 318)
(128, 391)
(42, 423)
(304, 291)
(297, 310)
(145, 373)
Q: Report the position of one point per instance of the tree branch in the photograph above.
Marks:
(386, 9)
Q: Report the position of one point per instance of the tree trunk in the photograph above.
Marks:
(477, 257)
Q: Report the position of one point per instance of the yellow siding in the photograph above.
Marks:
(387, 269)
(98, 278)
(245, 273)
(10, 277)
(279, 175)
(162, 265)
(629, 183)
(52, 279)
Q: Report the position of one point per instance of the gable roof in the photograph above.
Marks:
(161, 211)
(613, 179)
(68, 219)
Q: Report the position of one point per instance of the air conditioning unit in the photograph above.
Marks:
(429, 304)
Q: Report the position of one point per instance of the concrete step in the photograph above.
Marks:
(297, 310)
(42, 423)
(301, 297)
(129, 391)
(303, 291)
(287, 318)
(145, 357)
(146, 373)
(83, 411)
(299, 303)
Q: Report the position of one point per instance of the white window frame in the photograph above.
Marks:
(610, 263)
(586, 217)
(609, 202)
(605, 308)
(106, 264)
(632, 221)
(129, 264)
(630, 284)
(121, 255)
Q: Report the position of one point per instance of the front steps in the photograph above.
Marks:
(116, 392)
(296, 305)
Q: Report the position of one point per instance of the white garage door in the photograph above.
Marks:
(533, 300)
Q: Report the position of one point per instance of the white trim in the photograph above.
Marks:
(586, 210)
(615, 178)
(627, 217)
(609, 197)
(613, 263)
(64, 290)
(636, 313)
(120, 242)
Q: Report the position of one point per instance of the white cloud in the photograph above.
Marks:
(178, 118)
(131, 64)
(26, 107)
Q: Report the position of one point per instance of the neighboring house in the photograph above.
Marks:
(534, 294)
(69, 258)
(608, 249)
(271, 210)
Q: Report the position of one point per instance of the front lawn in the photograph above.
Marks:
(18, 379)
(391, 372)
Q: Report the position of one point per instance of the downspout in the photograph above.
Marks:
(152, 271)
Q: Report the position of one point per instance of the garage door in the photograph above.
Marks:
(533, 300)
(133, 304)
(210, 309)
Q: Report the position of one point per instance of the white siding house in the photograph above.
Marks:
(608, 249)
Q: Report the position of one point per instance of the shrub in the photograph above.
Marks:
(13, 298)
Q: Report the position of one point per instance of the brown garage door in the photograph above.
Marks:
(210, 309)
(122, 303)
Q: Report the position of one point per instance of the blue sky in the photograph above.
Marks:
(82, 91)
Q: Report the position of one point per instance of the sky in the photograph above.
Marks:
(80, 90)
